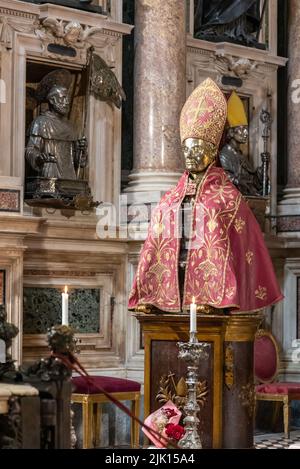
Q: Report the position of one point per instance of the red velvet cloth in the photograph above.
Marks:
(278, 388)
(82, 386)
(265, 358)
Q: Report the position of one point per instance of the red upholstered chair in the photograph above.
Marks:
(89, 396)
(266, 363)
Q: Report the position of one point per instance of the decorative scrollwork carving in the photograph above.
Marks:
(247, 397)
(229, 358)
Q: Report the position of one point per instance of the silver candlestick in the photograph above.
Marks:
(191, 352)
(266, 119)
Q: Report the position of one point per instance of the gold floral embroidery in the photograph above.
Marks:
(212, 223)
(229, 292)
(209, 269)
(213, 248)
(158, 228)
(158, 270)
(239, 225)
(249, 257)
(261, 293)
(221, 191)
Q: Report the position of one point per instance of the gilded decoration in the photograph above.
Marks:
(247, 398)
(239, 225)
(229, 292)
(229, 360)
(204, 114)
(209, 251)
(261, 293)
(249, 256)
(169, 390)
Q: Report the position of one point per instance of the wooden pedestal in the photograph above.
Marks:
(226, 377)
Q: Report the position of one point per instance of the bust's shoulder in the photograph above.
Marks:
(217, 175)
(40, 125)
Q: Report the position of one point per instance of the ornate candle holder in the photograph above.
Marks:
(191, 352)
(266, 119)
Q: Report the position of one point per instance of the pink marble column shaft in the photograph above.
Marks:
(294, 105)
(159, 86)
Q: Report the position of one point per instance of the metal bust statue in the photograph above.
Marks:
(198, 155)
(248, 180)
(237, 166)
(230, 20)
(55, 155)
(212, 268)
(53, 149)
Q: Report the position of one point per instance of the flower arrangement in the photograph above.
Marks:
(174, 432)
(165, 421)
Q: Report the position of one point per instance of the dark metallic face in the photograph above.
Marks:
(241, 133)
(60, 101)
(198, 154)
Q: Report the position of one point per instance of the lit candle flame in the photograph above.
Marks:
(193, 300)
(66, 289)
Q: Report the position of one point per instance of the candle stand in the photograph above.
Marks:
(191, 352)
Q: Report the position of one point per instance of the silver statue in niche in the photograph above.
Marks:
(55, 154)
(54, 149)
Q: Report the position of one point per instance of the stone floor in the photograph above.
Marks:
(277, 440)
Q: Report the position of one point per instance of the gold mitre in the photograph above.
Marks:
(236, 114)
(204, 114)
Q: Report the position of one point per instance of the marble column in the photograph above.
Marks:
(159, 94)
(290, 204)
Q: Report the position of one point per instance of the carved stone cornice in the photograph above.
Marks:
(109, 32)
(30, 13)
(197, 50)
(59, 273)
(224, 49)
(17, 13)
(19, 225)
(16, 22)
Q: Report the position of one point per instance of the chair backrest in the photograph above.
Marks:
(266, 357)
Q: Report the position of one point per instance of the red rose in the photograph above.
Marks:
(175, 432)
(169, 412)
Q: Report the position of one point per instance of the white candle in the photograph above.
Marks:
(65, 307)
(193, 316)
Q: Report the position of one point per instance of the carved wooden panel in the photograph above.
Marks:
(164, 360)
